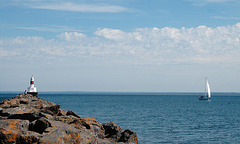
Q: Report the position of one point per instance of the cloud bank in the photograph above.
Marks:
(146, 45)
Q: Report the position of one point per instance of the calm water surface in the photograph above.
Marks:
(159, 118)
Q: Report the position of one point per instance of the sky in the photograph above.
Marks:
(120, 45)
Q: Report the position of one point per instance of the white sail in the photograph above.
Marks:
(208, 90)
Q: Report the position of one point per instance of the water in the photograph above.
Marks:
(159, 117)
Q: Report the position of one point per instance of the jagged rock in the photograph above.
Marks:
(12, 137)
(60, 132)
(20, 110)
(128, 136)
(96, 127)
(16, 124)
(113, 131)
(88, 123)
(73, 121)
(29, 119)
(52, 110)
(62, 112)
(117, 134)
(39, 125)
(16, 131)
(72, 113)
(26, 116)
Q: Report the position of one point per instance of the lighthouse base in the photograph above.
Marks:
(33, 93)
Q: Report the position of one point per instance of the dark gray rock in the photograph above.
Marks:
(72, 113)
(26, 116)
(52, 110)
(113, 131)
(39, 125)
(128, 136)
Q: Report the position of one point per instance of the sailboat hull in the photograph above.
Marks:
(204, 98)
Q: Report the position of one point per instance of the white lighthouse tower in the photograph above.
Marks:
(32, 89)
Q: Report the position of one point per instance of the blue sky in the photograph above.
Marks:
(120, 45)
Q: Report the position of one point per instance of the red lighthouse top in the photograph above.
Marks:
(32, 80)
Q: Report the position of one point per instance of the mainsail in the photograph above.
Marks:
(208, 89)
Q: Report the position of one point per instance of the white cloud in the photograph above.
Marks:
(70, 36)
(146, 45)
(75, 7)
(113, 34)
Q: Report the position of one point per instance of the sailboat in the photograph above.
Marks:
(207, 95)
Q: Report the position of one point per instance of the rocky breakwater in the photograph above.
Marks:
(29, 119)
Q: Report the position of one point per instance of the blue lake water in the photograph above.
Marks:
(159, 117)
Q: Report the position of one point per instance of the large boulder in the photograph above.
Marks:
(95, 127)
(16, 131)
(60, 132)
(72, 113)
(39, 125)
(52, 110)
(117, 134)
(128, 136)
(28, 119)
(113, 131)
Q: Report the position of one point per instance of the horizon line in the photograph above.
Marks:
(55, 91)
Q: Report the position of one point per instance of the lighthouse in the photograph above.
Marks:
(32, 89)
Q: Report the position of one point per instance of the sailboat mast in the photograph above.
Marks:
(205, 86)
